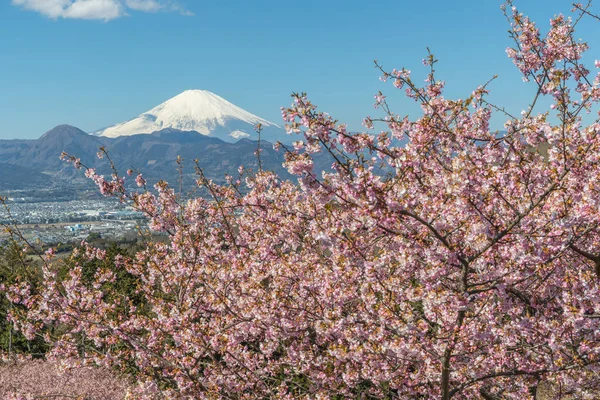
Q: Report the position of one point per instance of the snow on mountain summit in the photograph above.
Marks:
(196, 110)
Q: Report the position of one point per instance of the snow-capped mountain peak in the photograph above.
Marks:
(195, 110)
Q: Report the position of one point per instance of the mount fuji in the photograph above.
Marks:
(200, 111)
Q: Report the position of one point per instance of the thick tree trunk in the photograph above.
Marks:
(446, 374)
(445, 381)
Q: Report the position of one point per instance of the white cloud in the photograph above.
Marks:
(50, 8)
(97, 9)
(94, 9)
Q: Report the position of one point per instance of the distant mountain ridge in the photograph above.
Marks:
(37, 162)
(14, 176)
(198, 111)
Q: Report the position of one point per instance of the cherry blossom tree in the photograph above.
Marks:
(437, 259)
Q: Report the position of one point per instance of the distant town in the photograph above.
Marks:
(53, 222)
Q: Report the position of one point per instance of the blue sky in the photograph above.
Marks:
(100, 62)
